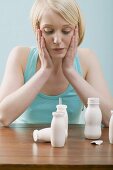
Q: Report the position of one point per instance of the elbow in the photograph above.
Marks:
(106, 124)
(3, 120)
(107, 114)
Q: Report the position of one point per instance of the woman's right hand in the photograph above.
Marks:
(46, 62)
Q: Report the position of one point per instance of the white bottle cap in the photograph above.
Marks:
(35, 135)
(93, 100)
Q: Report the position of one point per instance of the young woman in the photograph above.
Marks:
(36, 77)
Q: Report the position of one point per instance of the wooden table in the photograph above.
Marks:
(19, 151)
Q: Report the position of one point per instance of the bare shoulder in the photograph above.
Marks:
(19, 55)
(88, 59)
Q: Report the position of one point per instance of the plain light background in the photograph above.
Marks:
(15, 29)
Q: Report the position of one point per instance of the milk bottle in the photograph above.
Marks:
(42, 135)
(58, 129)
(63, 108)
(111, 128)
(93, 118)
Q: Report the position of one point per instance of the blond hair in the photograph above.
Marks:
(68, 9)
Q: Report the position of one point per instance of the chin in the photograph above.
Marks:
(58, 56)
(62, 55)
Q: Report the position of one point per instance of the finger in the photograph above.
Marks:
(76, 36)
(74, 41)
(71, 46)
(43, 46)
(38, 36)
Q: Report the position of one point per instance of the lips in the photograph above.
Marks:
(58, 49)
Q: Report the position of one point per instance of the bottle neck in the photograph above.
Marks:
(58, 114)
(93, 105)
(61, 109)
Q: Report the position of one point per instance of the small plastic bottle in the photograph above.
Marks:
(42, 135)
(111, 128)
(93, 118)
(58, 130)
(63, 108)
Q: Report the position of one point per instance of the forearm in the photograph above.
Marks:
(16, 103)
(85, 90)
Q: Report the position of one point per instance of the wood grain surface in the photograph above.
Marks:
(19, 151)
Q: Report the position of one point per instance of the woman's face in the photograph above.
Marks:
(57, 33)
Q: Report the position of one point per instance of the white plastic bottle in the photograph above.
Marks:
(63, 108)
(93, 118)
(58, 129)
(111, 128)
(42, 135)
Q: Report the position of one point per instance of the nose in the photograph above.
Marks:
(57, 38)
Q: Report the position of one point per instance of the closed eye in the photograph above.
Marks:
(66, 32)
(48, 32)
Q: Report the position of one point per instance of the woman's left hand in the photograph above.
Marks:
(68, 61)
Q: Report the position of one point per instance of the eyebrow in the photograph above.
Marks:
(49, 25)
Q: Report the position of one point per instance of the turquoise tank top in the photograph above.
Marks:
(40, 110)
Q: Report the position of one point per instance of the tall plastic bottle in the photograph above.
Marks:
(63, 108)
(58, 129)
(111, 128)
(42, 135)
(93, 118)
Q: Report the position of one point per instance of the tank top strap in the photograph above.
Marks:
(31, 64)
